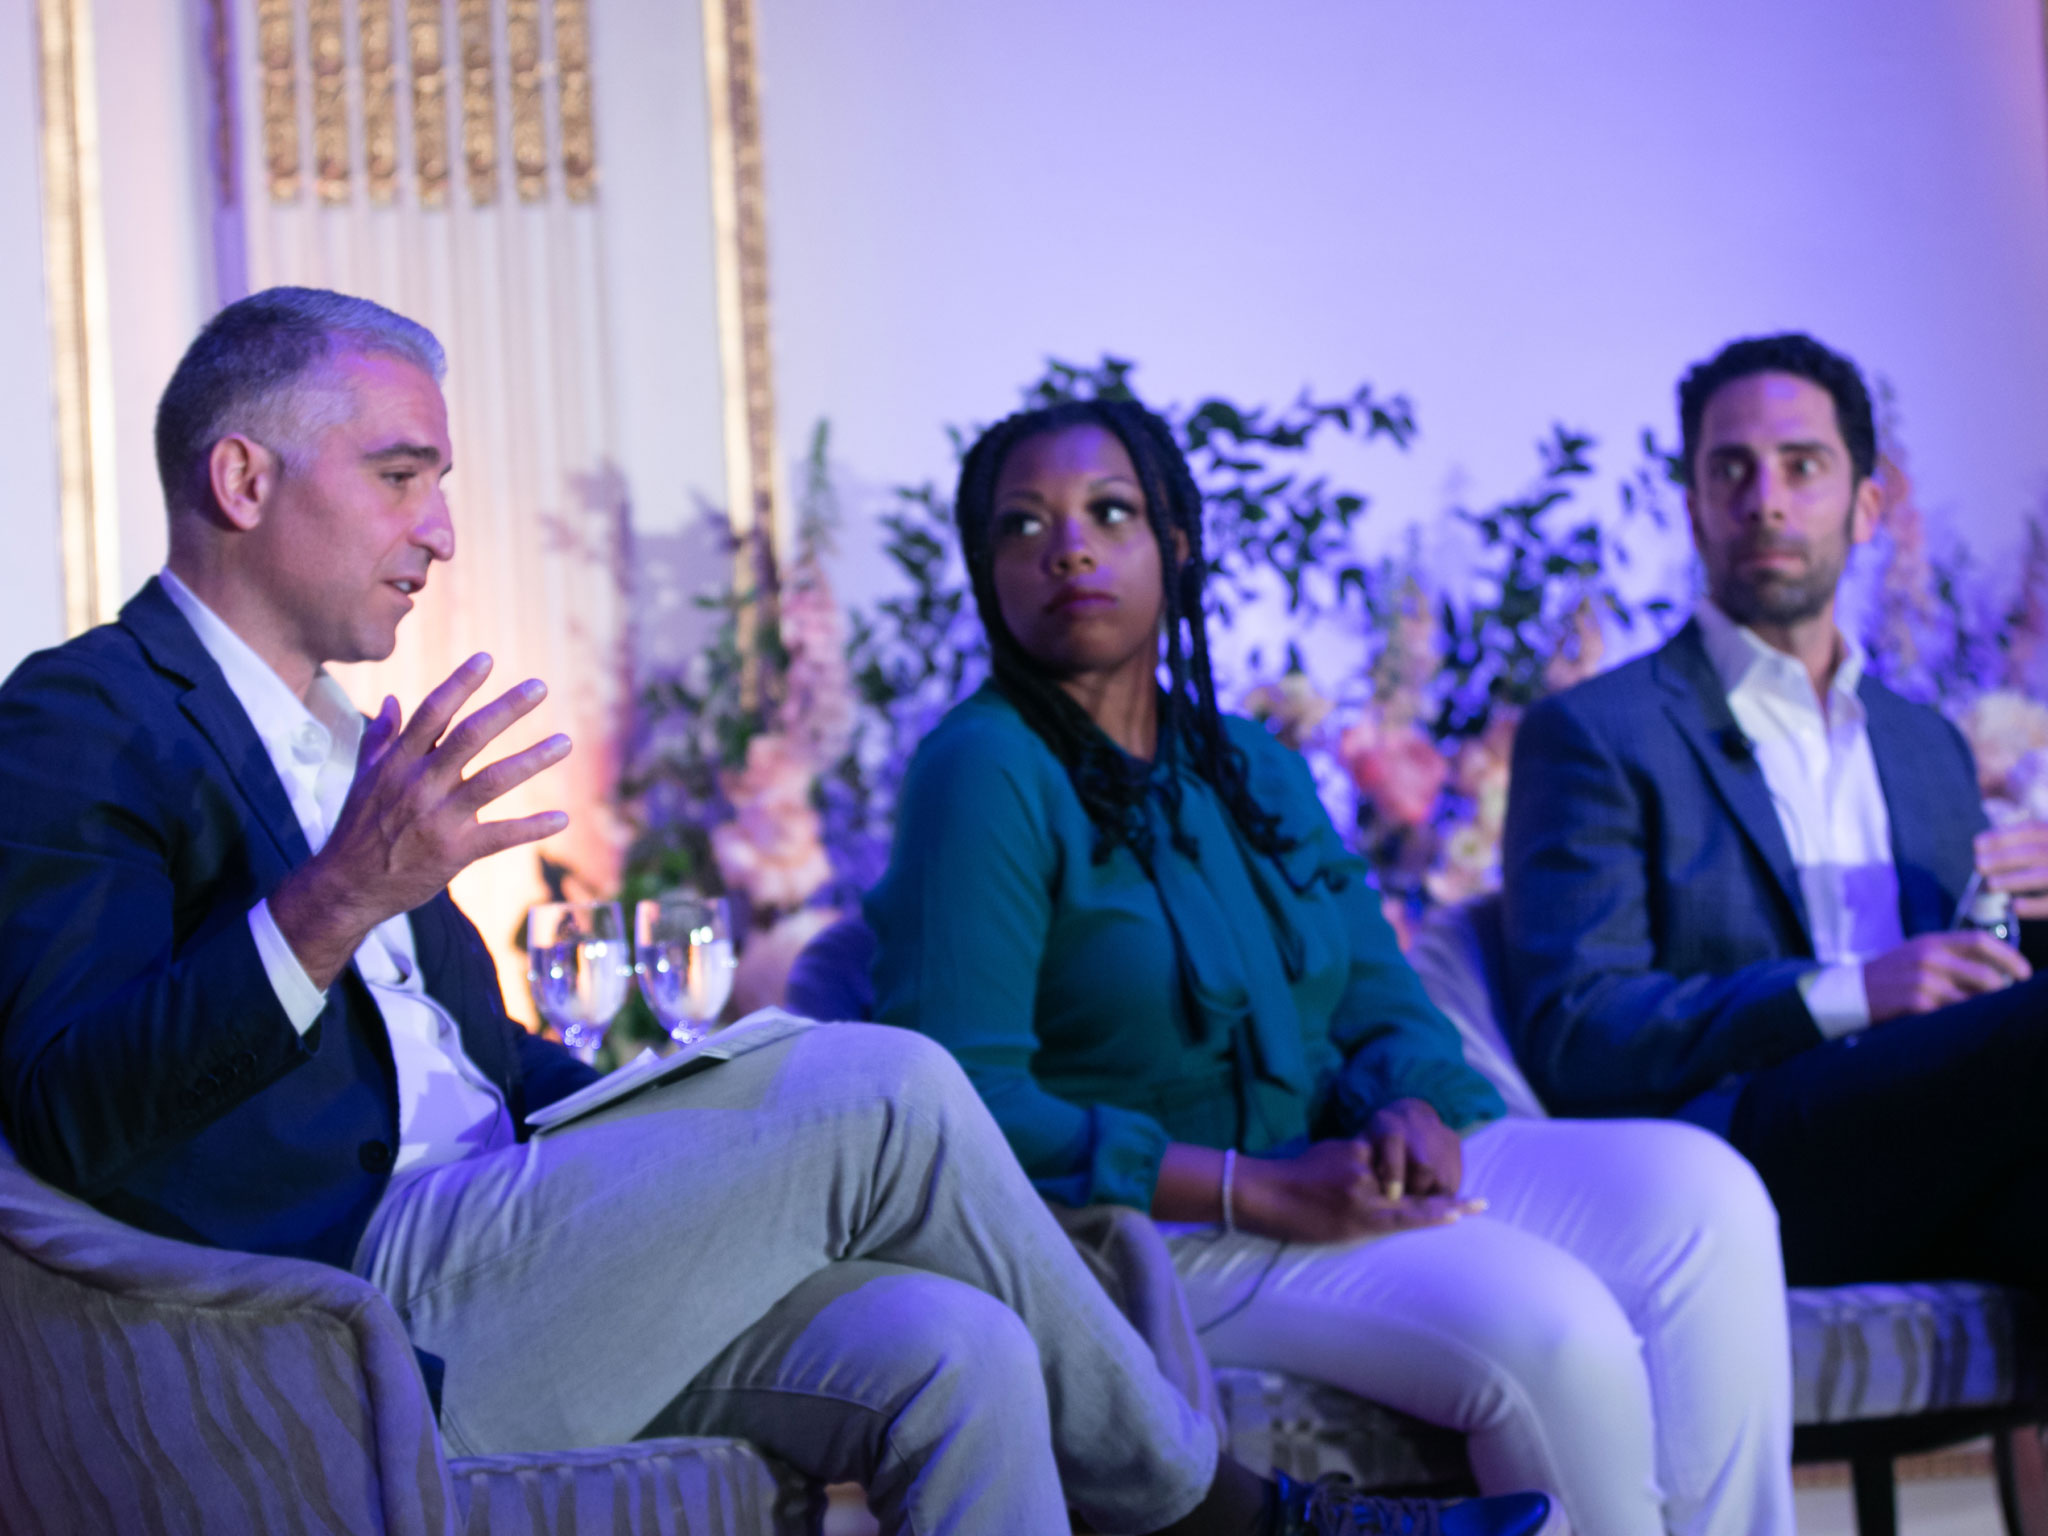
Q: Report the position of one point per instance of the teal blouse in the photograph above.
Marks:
(1286, 1010)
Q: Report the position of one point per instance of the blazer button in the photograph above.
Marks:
(375, 1157)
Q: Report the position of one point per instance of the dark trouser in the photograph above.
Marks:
(1916, 1150)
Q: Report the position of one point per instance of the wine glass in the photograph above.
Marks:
(577, 964)
(682, 953)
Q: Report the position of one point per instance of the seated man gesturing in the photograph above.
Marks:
(238, 1007)
(1732, 868)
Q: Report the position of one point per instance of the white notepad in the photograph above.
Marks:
(643, 1071)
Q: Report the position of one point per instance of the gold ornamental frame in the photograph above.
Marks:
(755, 503)
(75, 282)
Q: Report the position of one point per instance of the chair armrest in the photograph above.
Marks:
(685, 1485)
(172, 1384)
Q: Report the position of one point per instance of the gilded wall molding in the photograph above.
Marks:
(327, 50)
(753, 463)
(572, 78)
(529, 105)
(75, 276)
(427, 54)
(478, 72)
(479, 100)
(276, 56)
(376, 47)
(219, 42)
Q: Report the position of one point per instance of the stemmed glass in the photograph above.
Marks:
(682, 954)
(577, 963)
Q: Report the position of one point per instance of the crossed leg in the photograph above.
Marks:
(833, 1217)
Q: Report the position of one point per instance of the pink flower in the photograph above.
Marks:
(1469, 864)
(1581, 654)
(771, 849)
(1413, 654)
(2003, 728)
(817, 712)
(1291, 708)
(1397, 768)
(1481, 771)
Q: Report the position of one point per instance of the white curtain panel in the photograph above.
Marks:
(435, 155)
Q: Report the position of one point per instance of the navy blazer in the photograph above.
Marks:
(145, 1061)
(1655, 927)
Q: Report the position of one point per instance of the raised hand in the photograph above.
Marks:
(1414, 1152)
(1330, 1194)
(410, 822)
(1937, 969)
(2015, 859)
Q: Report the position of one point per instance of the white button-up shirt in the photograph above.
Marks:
(447, 1108)
(1822, 775)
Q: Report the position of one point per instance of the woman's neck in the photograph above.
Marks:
(1124, 705)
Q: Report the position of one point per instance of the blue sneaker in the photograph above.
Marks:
(1333, 1506)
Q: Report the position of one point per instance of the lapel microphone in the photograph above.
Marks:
(1737, 747)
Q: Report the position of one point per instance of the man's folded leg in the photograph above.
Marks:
(576, 1285)
(924, 1389)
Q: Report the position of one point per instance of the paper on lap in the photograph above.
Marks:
(648, 1069)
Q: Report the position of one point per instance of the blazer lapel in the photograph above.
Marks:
(1926, 838)
(1698, 706)
(211, 705)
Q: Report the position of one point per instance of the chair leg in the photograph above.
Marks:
(1877, 1499)
(2022, 1464)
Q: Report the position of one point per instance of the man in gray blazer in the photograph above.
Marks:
(1733, 871)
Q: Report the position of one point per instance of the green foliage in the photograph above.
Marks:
(1265, 513)
(1534, 577)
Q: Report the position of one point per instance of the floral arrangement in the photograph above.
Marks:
(1938, 632)
(769, 771)
(722, 788)
(2008, 732)
(1424, 750)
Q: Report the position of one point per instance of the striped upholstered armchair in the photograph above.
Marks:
(149, 1385)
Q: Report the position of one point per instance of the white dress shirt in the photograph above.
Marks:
(447, 1108)
(1822, 775)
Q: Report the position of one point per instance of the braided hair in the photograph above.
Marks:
(1111, 784)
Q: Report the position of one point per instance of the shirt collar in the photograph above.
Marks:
(1740, 656)
(304, 733)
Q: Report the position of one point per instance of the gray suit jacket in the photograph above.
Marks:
(1655, 928)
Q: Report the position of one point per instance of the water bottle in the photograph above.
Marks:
(1991, 912)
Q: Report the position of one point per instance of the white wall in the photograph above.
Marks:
(1516, 213)
(158, 287)
(32, 575)
(156, 194)
(647, 70)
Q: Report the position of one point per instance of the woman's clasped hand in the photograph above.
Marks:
(1335, 1193)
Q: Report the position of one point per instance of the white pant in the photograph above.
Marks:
(1612, 1330)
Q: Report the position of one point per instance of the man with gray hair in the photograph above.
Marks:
(237, 1007)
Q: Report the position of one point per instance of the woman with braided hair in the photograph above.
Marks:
(1130, 918)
